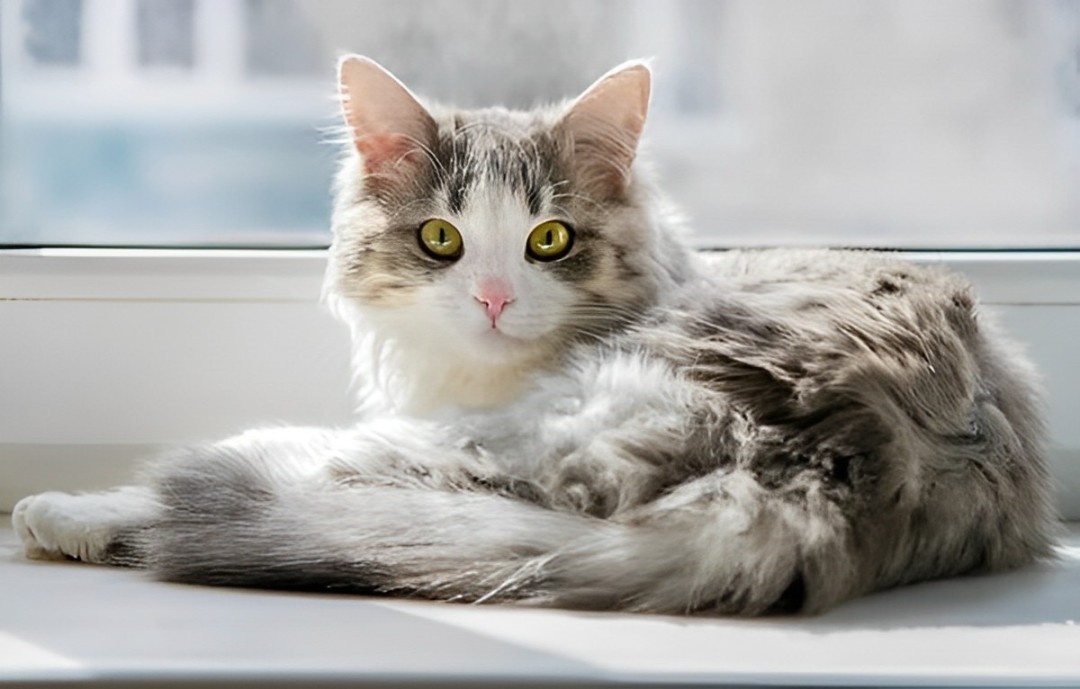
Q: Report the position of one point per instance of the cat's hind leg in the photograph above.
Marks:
(100, 527)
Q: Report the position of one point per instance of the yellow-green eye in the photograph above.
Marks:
(440, 239)
(549, 241)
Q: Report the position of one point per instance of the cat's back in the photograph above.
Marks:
(866, 275)
(805, 305)
(858, 301)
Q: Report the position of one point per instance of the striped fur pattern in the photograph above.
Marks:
(645, 430)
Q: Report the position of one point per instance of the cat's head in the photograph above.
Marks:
(495, 238)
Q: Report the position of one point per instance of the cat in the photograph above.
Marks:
(562, 405)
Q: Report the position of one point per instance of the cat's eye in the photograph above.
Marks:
(550, 241)
(440, 239)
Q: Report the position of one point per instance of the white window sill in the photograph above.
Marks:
(68, 622)
(1001, 277)
(194, 275)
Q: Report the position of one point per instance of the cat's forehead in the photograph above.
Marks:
(493, 128)
(478, 151)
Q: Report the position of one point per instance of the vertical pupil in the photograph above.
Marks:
(442, 235)
(549, 239)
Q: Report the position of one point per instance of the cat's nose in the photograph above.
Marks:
(494, 294)
(494, 305)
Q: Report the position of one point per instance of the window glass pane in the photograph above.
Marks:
(157, 136)
(166, 32)
(923, 123)
(52, 31)
(271, 24)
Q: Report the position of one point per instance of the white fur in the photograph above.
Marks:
(58, 525)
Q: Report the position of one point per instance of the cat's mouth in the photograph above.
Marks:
(497, 334)
(499, 344)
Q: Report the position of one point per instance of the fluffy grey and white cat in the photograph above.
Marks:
(564, 406)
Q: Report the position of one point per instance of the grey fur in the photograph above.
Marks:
(737, 433)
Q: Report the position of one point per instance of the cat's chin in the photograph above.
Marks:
(499, 347)
(477, 369)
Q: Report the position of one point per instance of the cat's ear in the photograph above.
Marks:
(388, 125)
(604, 125)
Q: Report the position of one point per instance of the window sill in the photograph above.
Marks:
(197, 275)
(1001, 277)
(68, 623)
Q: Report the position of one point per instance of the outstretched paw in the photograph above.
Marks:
(56, 526)
(47, 528)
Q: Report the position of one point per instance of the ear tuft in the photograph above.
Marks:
(605, 125)
(388, 124)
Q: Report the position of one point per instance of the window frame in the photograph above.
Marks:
(1002, 277)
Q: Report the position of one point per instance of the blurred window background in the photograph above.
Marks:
(915, 124)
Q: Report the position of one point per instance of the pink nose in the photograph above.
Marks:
(494, 306)
(494, 295)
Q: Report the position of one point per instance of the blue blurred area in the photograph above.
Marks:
(926, 123)
(147, 184)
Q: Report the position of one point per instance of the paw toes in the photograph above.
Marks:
(47, 529)
(23, 519)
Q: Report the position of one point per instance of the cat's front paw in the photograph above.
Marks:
(53, 526)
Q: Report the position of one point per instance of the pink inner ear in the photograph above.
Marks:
(604, 125)
(386, 149)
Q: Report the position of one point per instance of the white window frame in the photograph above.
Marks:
(227, 324)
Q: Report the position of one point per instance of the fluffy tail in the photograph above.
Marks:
(719, 544)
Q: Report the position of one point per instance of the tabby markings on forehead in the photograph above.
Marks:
(483, 152)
